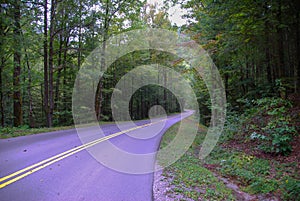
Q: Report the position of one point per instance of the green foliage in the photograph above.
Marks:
(188, 175)
(257, 176)
(273, 128)
(250, 171)
(291, 188)
(279, 136)
(232, 126)
(77, 27)
(261, 185)
(8, 132)
(273, 104)
(266, 121)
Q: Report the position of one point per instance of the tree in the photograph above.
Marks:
(109, 10)
(252, 43)
(46, 82)
(4, 31)
(18, 116)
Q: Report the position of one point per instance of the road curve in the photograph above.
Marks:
(70, 173)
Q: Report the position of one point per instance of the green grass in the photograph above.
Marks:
(9, 132)
(189, 177)
(261, 174)
(255, 175)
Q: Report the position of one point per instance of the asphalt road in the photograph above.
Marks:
(78, 176)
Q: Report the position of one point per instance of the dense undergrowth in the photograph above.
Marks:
(258, 151)
(270, 122)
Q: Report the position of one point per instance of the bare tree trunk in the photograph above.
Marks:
(297, 72)
(3, 60)
(269, 71)
(42, 99)
(98, 102)
(1, 94)
(281, 67)
(242, 80)
(165, 90)
(46, 87)
(30, 111)
(79, 37)
(131, 101)
(59, 63)
(107, 18)
(18, 117)
(64, 63)
(267, 49)
(51, 53)
(226, 81)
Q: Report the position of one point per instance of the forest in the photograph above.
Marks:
(255, 44)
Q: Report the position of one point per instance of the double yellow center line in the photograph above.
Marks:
(9, 179)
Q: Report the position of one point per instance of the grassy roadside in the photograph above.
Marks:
(238, 159)
(262, 178)
(245, 160)
(9, 132)
(259, 150)
(189, 180)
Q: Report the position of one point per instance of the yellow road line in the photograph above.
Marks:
(42, 164)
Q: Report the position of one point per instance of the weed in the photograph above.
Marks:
(190, 175)
(291, 188)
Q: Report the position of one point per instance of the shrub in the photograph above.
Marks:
(276, 137)
(276, 131)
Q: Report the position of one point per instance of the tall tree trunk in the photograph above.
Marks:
(1, 94)
(3, 60)
(141, 104)
(98, 101)
(59, 68)
(247, 70)
(267, 52)
(165, 90)
(51, 53)
(79, 37)
(18, 116)
(109, 13)
(42, 99)
(298, 51)
(99, 93)
(226, 81)
(30, 108)
(46, 87)
(64, 88)
(281, 64)
(131, 101)
(242, 79)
